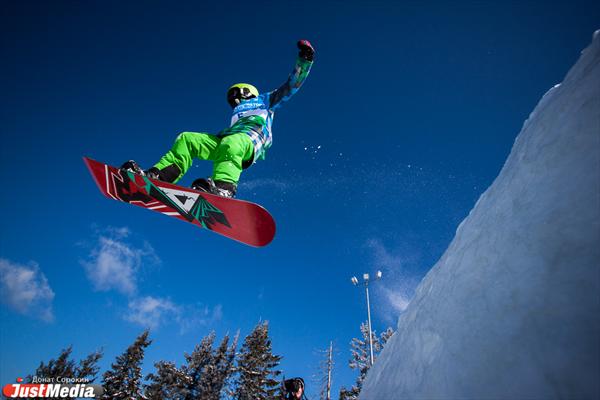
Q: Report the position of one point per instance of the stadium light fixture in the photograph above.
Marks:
(365, 282)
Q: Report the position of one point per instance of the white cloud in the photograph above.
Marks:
(114, 263)
(151, 312)
(25, 289)
(118, 232)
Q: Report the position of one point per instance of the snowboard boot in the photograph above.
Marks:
(167, 174)
(220, 188)
(152, 173)
(132, 166)
(202, 185)
(224, 189)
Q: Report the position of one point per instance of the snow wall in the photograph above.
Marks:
(512, 309)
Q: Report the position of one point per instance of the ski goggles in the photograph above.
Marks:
(236, 94)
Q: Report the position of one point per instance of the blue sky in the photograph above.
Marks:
(406, 118)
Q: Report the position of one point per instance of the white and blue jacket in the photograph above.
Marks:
(254, 117)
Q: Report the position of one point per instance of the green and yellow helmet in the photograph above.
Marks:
(240, 92)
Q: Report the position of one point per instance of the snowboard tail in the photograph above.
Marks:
(239, 220)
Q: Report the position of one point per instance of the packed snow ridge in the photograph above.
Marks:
(512, 309)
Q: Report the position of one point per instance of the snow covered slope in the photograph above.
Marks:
(512, 309)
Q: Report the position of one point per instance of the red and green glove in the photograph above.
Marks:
(307, 52)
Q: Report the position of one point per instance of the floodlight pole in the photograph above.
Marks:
(369, 315)
(366, 283)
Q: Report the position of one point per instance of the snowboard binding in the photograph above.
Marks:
(220, 188)
(132, 166)
(167, 174)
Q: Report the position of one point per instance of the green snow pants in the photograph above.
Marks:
(227, 153)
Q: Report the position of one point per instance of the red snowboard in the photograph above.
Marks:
(239, 220)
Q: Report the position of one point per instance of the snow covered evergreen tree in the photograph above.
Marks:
(361, 354)
(59, 367)
(219, 370)
(384, 337)
(257, 377)
(203, 377)
(196, 365)
(65, 367)
(124, 379)
(88, 367)
(209, 369)
(351, 394)
(168, 383)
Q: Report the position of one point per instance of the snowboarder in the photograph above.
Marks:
(235, 148)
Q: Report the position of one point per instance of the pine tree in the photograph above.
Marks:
(384, 337)
(88, 367)
(218, 372)
(169, 382)
(257, 376)
(65, 367)
(124, 379)
(361, 357)
(351, 394)
(203, 377)
(197, 364)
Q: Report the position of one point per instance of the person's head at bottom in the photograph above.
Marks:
(294, 388)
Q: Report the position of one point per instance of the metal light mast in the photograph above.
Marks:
(365, 282)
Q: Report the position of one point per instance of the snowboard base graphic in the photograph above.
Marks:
(239, 220)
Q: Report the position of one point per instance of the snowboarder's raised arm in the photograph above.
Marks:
(296, 78)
